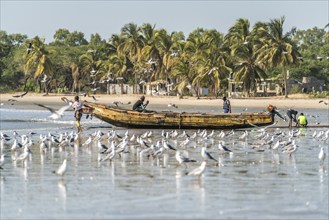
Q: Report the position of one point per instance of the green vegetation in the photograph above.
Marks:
(205, 58)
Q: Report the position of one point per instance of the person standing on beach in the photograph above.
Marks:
(292, 114)
(139, 105)
(302, 121)
(226, 105)
(77, 105)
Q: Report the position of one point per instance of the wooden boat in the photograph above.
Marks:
(168, 119)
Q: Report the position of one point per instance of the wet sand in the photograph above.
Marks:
(298, 101)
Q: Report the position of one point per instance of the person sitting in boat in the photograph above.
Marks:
(302, 121)
(139, 105)
(226, 105)
(274, 111)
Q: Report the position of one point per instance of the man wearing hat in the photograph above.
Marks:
(226, 105)
(139, 105)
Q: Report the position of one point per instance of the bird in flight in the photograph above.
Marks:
(56, 114)
(29, 49)
(326, 103)
(44, 79)
(21, 95)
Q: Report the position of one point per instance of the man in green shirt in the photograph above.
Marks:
(302, 121)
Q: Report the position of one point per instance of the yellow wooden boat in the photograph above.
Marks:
(168, 119)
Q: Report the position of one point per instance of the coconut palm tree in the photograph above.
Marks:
(241, 44)
(276, 48)
(37, 59)
(92, 66)
(212, 64)
(184, 74)
(132, 45)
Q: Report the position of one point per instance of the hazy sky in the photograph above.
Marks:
(107, 17)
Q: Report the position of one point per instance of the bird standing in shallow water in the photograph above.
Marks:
(61, 169)
(206, 155)
(2, 160)
(199, 170)
(322, 156)
(182, 159)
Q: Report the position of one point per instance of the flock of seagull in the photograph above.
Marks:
(111, 145)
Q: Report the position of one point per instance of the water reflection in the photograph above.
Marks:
(135, 180)
(61, 185)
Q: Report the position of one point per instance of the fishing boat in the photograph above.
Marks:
(179, 120)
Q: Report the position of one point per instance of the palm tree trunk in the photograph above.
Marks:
(285, 82)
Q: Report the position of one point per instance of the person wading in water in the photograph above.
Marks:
(77, 105)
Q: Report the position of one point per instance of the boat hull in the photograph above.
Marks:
(178, 120)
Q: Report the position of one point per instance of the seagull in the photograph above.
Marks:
(23, 157)
(56, 114)
(94, 98)
(151, 61)
(172, 105)
(199, 170)
(29, 49)
(167, 146)
(2, 160)
(182, 159)
(326, 103)
(117, 103)
(296, 81)
(44, 79)
(300, 58)
(206, 155)
(322, 155)
(61, 169)
(174, 53)
(221, 147)
(21, 95)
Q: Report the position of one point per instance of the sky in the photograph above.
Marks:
(105, 17)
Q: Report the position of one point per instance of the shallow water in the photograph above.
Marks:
(254, 183)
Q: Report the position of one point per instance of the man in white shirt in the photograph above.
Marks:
(77, 105)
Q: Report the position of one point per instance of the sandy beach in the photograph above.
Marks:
(296, 101)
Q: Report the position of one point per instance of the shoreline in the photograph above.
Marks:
(297, 101)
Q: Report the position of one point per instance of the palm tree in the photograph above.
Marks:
(90, 61)
(37, 59)
(164, 44)
(276, 48)
(241, 43)
(185, 74)
(132, 45)
(149, 50)
(118, 65)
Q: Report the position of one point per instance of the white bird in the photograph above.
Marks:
(2, 160)
(88, 141)
(206, 155)
(44, 79)
(322, 155)
(23, 157)
(182, 159)
(221, 147)
(172, 105)
(167, 146)
(56, 114)
(199, 170)
(276, 145)
(61, 169)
